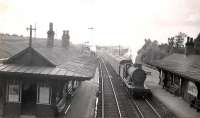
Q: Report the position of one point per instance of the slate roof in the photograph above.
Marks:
(68, 61)
(185, 66)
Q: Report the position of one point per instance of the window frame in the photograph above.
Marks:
(9, 84)
(38, 94)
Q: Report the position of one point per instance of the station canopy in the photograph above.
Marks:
(55, 62)
(180, 64)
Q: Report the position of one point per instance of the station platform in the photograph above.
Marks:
(175, 104)
(84, 100)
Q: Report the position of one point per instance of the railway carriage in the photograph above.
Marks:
(132, 75)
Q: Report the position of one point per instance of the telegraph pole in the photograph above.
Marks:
(30, 38)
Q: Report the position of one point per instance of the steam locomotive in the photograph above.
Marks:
(132, 75)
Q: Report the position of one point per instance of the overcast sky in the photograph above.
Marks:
(125, 22)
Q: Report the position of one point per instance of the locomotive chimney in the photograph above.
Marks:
(50, 36)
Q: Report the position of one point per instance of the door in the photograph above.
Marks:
(29, 97)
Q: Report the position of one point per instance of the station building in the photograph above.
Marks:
(180, 73)
(36, 79)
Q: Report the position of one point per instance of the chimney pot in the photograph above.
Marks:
(51, 26)
(191, 40)
(188, 38)
(189, 47)
(65, 38)
(50, 36)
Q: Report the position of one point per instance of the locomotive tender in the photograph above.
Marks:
(132, 75)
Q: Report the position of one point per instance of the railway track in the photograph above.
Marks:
(145, 109)
(114, 101)
(143, 106)
(111, 104)
(111, 107)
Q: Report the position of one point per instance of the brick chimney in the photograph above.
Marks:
(197, 44)
(189, 46)
(50, 36)
(65, 39)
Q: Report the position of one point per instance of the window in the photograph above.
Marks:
(75, 84)
(177, 80)
(70, 86)
(192, 89)
(13, 93)
(122, 71)
(43, 95)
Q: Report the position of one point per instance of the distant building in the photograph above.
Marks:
(115, 50)
(179, 73)
(13, 37)
(37, 80)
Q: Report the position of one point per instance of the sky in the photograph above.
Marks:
(115, 22)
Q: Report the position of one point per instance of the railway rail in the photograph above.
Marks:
(145, 108)
(114, 101)
(109, 104)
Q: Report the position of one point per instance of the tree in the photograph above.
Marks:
(151, 51)
(177, 41)
(180, 40)
(171, 42)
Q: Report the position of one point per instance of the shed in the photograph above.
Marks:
(35, 80)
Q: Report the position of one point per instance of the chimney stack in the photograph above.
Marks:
(189, 46)
(50, 36)
(65, 39)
